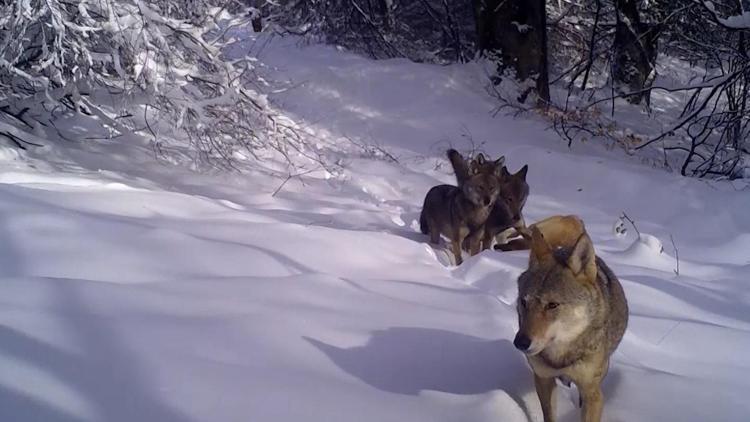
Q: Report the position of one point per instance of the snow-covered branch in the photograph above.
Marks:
(154, 68)
(740, 21)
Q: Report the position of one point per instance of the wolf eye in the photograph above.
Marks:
(552, 305)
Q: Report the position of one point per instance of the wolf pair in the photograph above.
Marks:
(486, 201)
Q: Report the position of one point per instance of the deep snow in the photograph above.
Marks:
(135, 291)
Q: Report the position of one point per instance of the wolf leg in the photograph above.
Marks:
(457, 240)
(593, 402)
(456, 247)
(545, 389)
(487, 239)
(475, 241)
(434, 232)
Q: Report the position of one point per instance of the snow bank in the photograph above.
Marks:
(130, 291)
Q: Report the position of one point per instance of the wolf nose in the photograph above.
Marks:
(522, 342)
(487, 201)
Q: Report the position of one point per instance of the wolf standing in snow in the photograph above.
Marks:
(459, 213)
(514, 190)
(572, 314)
(507, 213)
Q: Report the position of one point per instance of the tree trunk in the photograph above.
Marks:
(517, 31)
(634, 52)
(390, 19)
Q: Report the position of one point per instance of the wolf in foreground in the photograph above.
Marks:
(572, 314)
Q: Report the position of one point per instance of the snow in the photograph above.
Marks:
(132, 290)
(522, 28)
(741, 21)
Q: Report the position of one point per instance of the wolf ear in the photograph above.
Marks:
(540, 249)
(582, 259)
(522, 173)
(477, 163)
(499, 166)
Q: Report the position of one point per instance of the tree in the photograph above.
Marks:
(516, 30)
(634, 51)
(437, 31)
(138, 68)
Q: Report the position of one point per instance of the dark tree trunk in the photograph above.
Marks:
(257, 22)
(517, 31)
(634, 52)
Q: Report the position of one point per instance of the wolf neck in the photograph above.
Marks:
(477, 213)
(589, 341)
(567, 354)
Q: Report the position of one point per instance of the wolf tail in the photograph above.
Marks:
(423, 227)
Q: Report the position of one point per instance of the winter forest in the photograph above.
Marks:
(595, 70)
(340, 210)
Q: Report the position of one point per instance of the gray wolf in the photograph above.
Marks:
(514, 190)
(572, 314)
(459, 213)
(507, 213)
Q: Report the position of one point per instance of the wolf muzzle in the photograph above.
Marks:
(522, 342)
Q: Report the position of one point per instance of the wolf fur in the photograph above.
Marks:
(459, 213)
(554, 227)
(507, 213)
(514, 190)
(572, 314)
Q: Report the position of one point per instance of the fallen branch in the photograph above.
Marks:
(676, 255)
(629, 220)
(290, 177)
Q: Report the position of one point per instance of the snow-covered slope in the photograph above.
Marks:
(132, 291)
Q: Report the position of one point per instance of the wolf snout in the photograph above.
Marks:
(487, 201)
(522, 342)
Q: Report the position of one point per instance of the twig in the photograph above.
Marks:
(13, 139)
(372, 149)
(676, 255)
(625, 216)
(288, 178)
(281, 185)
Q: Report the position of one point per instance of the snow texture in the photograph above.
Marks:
(136, 291)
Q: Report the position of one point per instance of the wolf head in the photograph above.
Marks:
(464, 168)
(482, 186)
(515, 191)
(557, 295)
(480, 164)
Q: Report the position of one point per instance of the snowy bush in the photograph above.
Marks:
(422, 30)
(706, 135)
(149, 68)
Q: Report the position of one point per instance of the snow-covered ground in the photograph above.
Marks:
(135, 291)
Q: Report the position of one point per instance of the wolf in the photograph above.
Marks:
(514, 190)
(507, 213)
(479, 164)
(572, 314)
(459, 213)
